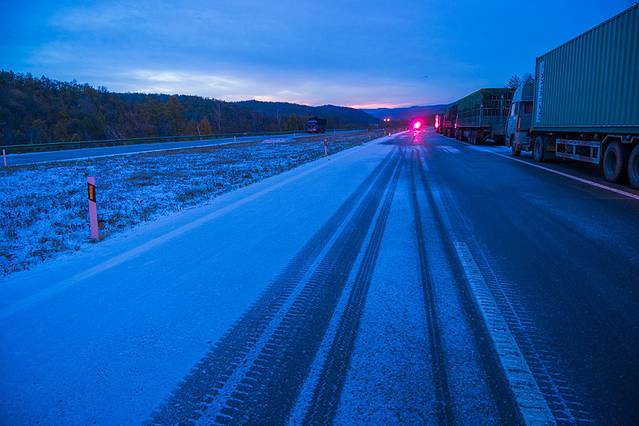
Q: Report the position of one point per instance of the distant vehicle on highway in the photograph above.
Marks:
(584, 105)
(448, 120)
(316, 125)
(479, 117)
(520, 118)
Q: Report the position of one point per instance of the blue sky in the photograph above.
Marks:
(358, 53)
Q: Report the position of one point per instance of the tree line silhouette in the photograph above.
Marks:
(37, 110)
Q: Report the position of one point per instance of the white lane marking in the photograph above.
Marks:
(63, 285)
(531, 404)
(569, 176)
(578, 179)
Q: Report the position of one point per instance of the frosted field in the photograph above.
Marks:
(43, 207)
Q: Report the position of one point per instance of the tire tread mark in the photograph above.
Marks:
(185, 404)
(325, 400)
(444, 404)
(276, 387)
(503, 395)
(564, 401)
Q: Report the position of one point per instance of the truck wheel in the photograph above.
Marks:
(539, 150)
(633, 167)
(614, 162)
(473, 138)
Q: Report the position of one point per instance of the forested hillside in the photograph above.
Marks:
(408, 113)
(337, 116)
(34, 110)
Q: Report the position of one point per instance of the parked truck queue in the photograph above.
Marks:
(582, 105)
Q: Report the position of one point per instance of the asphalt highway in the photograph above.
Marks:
(414, 279)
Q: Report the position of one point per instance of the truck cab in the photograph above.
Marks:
(316, 125)
(520, 118)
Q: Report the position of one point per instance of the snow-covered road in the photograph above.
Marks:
(106, 335)
(390, 283)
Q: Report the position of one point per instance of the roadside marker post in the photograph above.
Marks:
(93, 209)
(325, 146)
(4, 157)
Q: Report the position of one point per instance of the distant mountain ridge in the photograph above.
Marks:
(338, 115)
(407, 113)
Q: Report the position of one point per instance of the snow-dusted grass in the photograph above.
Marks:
(44, 212)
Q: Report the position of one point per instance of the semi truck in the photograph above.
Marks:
(482, 115)
(316, 125)
(447, 126)
(584, 102)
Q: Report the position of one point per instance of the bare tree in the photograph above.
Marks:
(514, 81)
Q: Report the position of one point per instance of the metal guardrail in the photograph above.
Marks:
(51, 146)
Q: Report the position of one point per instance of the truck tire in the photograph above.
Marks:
(539, 149)
(633, 167)
(614, 162)
(472, 138)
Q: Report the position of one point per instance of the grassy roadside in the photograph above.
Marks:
(43, 207)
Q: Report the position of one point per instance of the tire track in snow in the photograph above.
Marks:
(526, 398)
(567, 403)
(444, 404)
(256, 368)
(324, 402)
(564, 401)
(473, 388)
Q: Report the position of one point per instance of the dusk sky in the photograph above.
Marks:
(356, 53)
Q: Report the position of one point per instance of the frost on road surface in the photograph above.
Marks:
(106, 334)
(332, 293)
(43, 208)
(219, 313)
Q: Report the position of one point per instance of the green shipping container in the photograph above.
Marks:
(485, 108)
(591, 83)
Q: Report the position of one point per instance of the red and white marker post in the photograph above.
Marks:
(93, 209)
(325, 146)
(4, 157)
